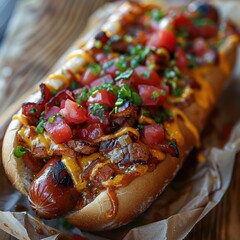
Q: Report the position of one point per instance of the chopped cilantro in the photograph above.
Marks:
(141, 127)
(135, 61)
(122, 65)
(97, 109)
(125, 75)
(95, 68)
(177, 92)
(157, 14)
(151, 66)
(125, 92)
(19, 151)
(136, 98)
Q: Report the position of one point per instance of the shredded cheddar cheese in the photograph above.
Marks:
(74, 169)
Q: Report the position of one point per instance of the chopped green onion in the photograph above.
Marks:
(95, 68)
(119, 102)
(151, 66)
(98, 44)
(136, 98)
(125, 92)
(122, 65)
(125, 75)
(97, 109)
(40, 127)
(157, 14)
(19, 151)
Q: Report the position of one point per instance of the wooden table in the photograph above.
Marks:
(55, 26)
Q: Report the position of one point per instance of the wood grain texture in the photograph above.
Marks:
(55, 26)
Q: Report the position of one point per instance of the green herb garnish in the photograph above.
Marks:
(40, 127)
(95, 68)
(19, 151)
(125, 75)
(97, 109)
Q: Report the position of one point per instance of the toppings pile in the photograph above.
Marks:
(110, 123)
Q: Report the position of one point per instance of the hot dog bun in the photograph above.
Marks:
(142, 191)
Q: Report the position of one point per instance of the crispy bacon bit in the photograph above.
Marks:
(34, 110)
(56, 100)
(83, 147)
(170, 148)
(102, 37)
(103, 174)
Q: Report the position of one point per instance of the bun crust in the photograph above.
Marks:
(140, 193)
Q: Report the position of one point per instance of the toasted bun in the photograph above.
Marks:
(141, 192)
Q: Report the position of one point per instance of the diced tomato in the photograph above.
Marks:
(58, 130)
(103, 97)
(88, 77)
(51, 112)
(105, 79)
(153, 134)
(152, 96)
(206, 31)
(143, 75)
(164, 38)
(181, 58)
(89, 133)
(102, 118)
(203, 10)
(73, 113)
(181, 20)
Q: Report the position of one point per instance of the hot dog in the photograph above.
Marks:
(108, 131)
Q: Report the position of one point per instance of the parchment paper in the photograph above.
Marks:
(197, 189)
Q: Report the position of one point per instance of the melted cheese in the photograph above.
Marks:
(59, 76)
(143, 119)
(83, 161)
(80, 53)
(21, 118)
(175, 132)
(75, 172)
(117, 180)
(157, 154)
(187, 91)
(118, 134)
(32, 139)
(204, 97)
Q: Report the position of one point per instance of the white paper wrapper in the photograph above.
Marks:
(195, 191)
